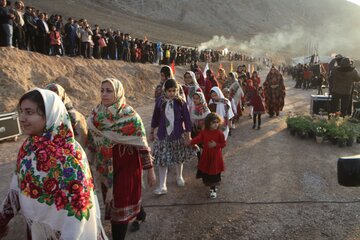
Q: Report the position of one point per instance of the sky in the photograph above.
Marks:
(357, 2)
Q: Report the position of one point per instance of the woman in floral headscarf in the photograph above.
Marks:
(52, 183)
(274, 90)
(117, 137)
(198, 113)
(191, 86)
(78, 121)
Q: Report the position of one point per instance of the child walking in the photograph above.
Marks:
(211, 163)
(257, 102)
(221, 106)
(170, 117)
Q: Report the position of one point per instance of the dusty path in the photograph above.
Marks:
(275, 187)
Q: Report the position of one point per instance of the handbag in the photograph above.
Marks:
(102, 42)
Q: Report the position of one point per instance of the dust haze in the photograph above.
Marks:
(335, 37)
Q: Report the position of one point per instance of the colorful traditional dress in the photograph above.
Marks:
(274, 91)
(170, 117)
(211, 163)
(52, 184)
(117, 138)
(223, 108)
(78, 121)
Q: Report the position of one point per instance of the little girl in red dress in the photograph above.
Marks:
(211, 162)
(257, 102)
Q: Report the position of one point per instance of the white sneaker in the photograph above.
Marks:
(212, 194)
(180, 182)
(160, 191)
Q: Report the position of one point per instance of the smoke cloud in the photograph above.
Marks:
(295, 41)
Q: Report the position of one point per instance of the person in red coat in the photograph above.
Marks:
(211, 162)
(258, 106)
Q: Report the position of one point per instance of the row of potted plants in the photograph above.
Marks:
(338, 130)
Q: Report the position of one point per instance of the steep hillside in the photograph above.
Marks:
(21, 71)
(278, 25)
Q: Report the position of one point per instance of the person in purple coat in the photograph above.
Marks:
(171, 118)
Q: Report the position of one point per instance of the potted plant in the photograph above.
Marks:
(342, 136)
(320, 132)
(303, 127)
(291, 124)
(332, 132)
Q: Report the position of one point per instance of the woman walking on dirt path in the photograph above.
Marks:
(118, 141)
(52, 184)
(170, 116)
(274, 90)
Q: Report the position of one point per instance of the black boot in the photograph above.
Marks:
(119, 231)
(135, 226)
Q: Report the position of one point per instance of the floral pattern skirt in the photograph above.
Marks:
(169, 152)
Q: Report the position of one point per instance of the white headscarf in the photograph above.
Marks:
(221, 110)
(53, 180)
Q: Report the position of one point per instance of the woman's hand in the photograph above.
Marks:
(151, 178)
(151, 137)
(109, 196)
(212, 144)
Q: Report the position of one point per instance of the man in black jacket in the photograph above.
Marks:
(42, 34)
(343, 78)
(30, 29)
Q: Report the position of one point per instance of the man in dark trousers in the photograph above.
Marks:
(6, 24)
(43, 34)
(342, 79)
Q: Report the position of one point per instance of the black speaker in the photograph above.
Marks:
(320, 102)
(348, 171)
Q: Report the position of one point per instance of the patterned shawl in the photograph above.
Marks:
(54, 182)
(191, 89)
(108, 126)
(201, 110)
(274, 90)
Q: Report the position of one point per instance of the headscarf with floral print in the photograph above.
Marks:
(201, 110)
(78, 121)
(54, 181)
(116, 124)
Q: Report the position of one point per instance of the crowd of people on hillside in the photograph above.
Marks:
(27, 28)
(53, 185)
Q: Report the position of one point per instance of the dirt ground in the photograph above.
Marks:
(275, 186)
